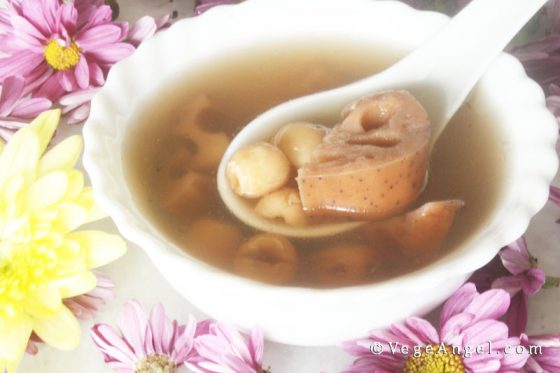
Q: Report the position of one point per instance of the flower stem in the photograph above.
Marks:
(551, 282)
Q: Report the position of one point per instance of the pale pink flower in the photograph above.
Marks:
(58, 50)
(33, 344)
(544, 353)
(15, 110)
(145, 344)
(223, 350)
(553, 100)
(541, 59)
(76, 105)
(525, 280)
(468, 321)
(146, 27)
(485, 276)
(552, 19)
(554, 195)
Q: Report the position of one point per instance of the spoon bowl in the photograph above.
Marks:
(439, 74)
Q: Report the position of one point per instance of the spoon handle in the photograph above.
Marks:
(459, 55)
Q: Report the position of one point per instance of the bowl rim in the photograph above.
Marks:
(515, 222)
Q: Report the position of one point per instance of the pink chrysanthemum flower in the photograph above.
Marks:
(145, 344)
(64, 49)
(56, 48)
(525, 279)
(471, 339)
(223, 350)
(544, 353)
(16, 111)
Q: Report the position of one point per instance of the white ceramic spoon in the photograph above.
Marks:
(440, 74)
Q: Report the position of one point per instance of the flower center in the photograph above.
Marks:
(62, 58)
(155, 364)
(435, 359)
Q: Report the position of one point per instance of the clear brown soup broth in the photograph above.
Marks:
(466, 162)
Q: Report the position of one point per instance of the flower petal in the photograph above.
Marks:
(62, 156)
(516, 256)
(99, 37)
(20, 63)
(237, 344)
(45, 125)
(11, 90)
(77, 285)
(67, 80)
(491, 304)
(81, 72)
(29, 108)
(68, 17)
(101, 247)
(47, 190)
(143, 28)
(534, 280)
(97, 74)
(113, 347)
(485, 331)
(61, 331)
(256, 345)
(14, 334)
(160, 327)
(451, 331)
(133, 323)
(185, 341)
(517, 314)
(79, 97)
(20, 155)
(514, 360)
(44, 302)
(458, 302)
(511, 284)
(111, 54)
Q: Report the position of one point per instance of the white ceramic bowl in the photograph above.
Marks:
(299, 315)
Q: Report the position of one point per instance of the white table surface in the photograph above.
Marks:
(137, 278)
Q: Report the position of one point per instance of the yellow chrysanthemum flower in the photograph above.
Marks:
(42, 261)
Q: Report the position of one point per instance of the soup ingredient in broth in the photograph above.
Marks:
(283, 204)
(418, 232)
(209, 145)
(343, 264)
(372, 165)
(298, 140)
(267, 257)
(189, 193)
(257, 169)
(213, 240)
